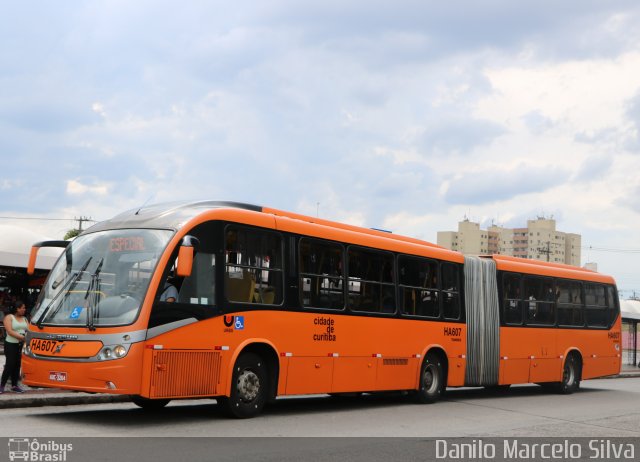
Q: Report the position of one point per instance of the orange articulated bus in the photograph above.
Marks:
(244, 303)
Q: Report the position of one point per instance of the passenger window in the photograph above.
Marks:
(512, 299)
(539, 300)
(450, 285)
(612, 303)
(570, 304)
(418, 279)
(371, 283)
(321, 276)
(596, 310)
(253, 266)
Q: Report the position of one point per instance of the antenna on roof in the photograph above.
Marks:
(145, 203)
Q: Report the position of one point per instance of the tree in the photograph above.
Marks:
(71, 234)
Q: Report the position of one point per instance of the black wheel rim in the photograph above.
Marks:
(430, 379)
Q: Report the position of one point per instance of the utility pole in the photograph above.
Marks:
(80, 221)
(546, 251)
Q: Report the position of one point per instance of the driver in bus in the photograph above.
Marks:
(169, 293)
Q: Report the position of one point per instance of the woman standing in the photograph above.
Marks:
(15, 325)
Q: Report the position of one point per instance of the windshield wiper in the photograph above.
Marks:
(94, 285)
(71, 283)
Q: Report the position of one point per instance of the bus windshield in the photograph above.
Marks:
(101, 279)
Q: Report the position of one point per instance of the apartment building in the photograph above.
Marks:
(539, 240)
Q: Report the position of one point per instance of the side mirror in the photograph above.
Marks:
(34, 252)
(186, 254)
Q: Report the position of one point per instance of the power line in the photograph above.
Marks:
(610, 249)
(39, 218)
(80, 220)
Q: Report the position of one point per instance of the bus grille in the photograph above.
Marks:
(185, 373)
(395, 362)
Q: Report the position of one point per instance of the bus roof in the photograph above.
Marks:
(175, 215)
(543, 268)
(167, 215)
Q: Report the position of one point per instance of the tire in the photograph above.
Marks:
(432, 380)
(249, 387)
(149, 404)
(570, 376)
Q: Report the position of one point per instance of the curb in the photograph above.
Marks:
(629, 375)
(24, 400)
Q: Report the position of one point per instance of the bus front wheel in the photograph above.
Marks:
(249, 387)
(432, 380)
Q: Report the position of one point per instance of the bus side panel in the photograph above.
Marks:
(397, 373)
(317, 353)
(528, 355)
(546, 364)
(457, 367)
(600, 357)
(346, 367)
(309, 375)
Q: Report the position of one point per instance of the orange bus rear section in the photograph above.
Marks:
(309, 350)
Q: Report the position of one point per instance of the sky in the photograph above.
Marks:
(404, 115)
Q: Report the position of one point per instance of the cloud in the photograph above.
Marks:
(633, 113)
(75, 187)
(45, 117)
(458, 135)
(491, 185)
(594, 168)
(537, 123)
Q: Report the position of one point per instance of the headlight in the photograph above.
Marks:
(120, 351)
(111, 352)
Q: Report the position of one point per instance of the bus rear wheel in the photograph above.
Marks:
(432, 380)
(249, 387)
(570, 376)
(149, 404)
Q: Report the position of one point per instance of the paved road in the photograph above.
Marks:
(603, 408)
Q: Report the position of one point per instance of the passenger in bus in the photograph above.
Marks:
(533, 307)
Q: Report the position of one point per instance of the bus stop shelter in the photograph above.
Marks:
(15, 247)
(630, 310)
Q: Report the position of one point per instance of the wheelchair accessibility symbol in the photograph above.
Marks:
(239, 323)
(75, 314)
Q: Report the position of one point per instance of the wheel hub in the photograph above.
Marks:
(430, 380)
(248, 385)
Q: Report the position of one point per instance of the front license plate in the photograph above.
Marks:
(56, 376)
(41, 346)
